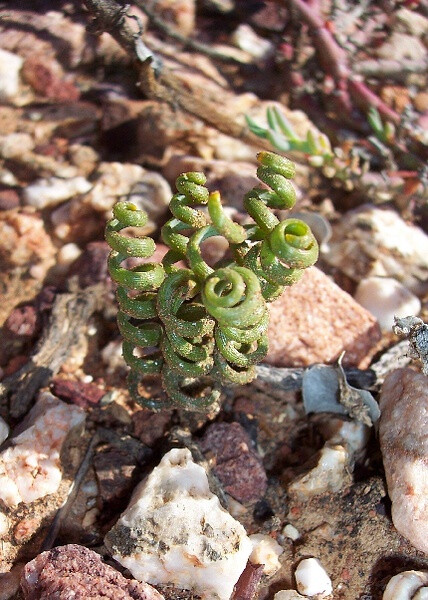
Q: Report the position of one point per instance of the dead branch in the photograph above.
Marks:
(70, 314)
(162, 84)
(186, 41)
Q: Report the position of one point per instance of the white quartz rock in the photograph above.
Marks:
(15, 144)
(331, 474)
(52, 191)
(31, 468)
(409, 585)
(386, 298)
(175, 531)
(311, 578)
(266, 552)
(10, 65)
(4, 430)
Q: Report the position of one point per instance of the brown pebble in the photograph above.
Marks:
(150, 427)
(236, 465)
(9, 199)
(79, 393)
(115, 471)
(22, 321)
(91, 266)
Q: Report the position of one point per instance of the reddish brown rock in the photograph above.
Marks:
(9, 198)
(115, 471)
(79, 393)
(314, 321)
(91, 266)
(236, 465)
(403, 434)
(46, 78)
(247, 585)
(74, 571)
(22, 321)
(149, 427)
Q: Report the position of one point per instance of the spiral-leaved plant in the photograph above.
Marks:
(203, 326)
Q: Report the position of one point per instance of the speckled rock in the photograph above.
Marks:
(24, 241)
(175, 531)
(73, 571)
(403, 433)
(234, 461)
(372, 241)
(314, 321)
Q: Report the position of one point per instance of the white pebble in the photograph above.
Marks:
(4, 430)
(31, 467)
(266, 551)
(68, 253)
(52, 191)
(385, 298)
(311, 578)
(4, 524)
(288, 595)
(331, 474)
(10, 65)
(245, 38)
(15, 144)
(291, 532)
(175, 531)
(404, 585)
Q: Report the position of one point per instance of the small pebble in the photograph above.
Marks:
(68, 253)
(331, 474)
(15, 144)
(4, 524)
(288, 595)
(266, 551)
(407, 585)
(52, 191)
(291, 532)
(386, 298)
(10, 65)
(245, 38)
(311, 578)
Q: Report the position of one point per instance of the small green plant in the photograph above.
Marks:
(203, 326)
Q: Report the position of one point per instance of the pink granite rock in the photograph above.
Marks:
(314, 321)
(403, 433)
(73, 571)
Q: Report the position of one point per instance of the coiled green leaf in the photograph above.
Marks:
(205, 325)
